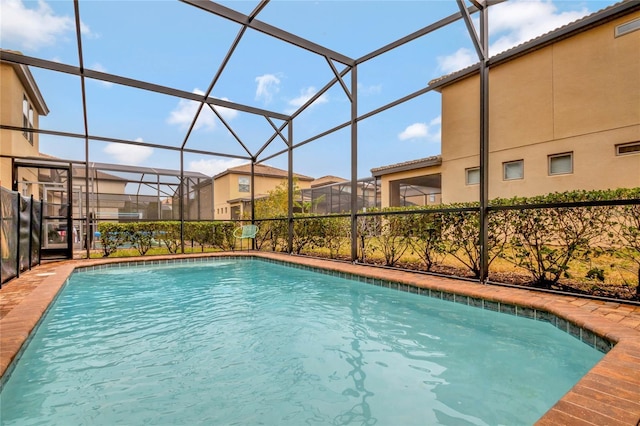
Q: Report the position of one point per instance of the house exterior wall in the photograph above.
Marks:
(104, 207)
(14, 143)
(389, 195)
(202, 209)
(221, 196)
(579, 95)
(226, 188)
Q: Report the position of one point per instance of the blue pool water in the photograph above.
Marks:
(246, 342)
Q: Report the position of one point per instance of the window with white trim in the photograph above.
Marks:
(243, 184)
(472, 176)
(561, 164)
(513, 170)
(27, 118)
(627, 27)
(628, 148)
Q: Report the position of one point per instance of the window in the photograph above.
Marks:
(513, 170)
(627, 27)
(628, 148)
(26, 188)
(27, 119)
(560, 164)
(243, 184)
(473, 176)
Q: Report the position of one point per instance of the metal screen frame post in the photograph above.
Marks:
(484, 145)
(70, 240)
(253, 201)
(354, 163)
(19, 200)
(481, 45)
(41, 232)
(31, 230)
(290, 189)
(180, 206)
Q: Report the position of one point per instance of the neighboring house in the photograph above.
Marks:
(332, 194)
(232, 188)
(327, 180)
(201, 205)
(564, 114)
(416, 182)
(21, 105)
(106, 194)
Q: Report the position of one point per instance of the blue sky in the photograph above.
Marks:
(177, 45)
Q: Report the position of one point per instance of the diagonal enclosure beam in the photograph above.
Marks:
(234, 134)
(122, 141)
(221, 68)
(137, 84)
(422, 32)
(339, 77)
(225, 61)
(477, 43)
(270, 30)
(284, 139)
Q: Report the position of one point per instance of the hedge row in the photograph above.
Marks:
(142, 235)
(543, 241)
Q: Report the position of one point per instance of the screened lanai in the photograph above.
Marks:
(283, 138)
(202, 81)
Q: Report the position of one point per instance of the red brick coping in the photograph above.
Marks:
(609, 394)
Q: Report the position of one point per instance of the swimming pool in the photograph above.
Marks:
(250, 342)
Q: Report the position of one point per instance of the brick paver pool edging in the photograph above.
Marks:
(608, 394)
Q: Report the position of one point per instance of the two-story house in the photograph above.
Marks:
(564, 114)
(232, 188)
(21, 106)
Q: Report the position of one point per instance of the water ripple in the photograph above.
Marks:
(244, 343)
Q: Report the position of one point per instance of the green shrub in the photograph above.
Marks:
(546, 240)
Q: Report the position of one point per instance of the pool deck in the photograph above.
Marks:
(609, 394)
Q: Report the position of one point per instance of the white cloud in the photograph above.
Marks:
(305, 95)
(414, 131)
(457, 61)
(183, 114)
(268, 85)
(32, 29)
(214, 166)
(128, 154)
(510, 24)
(517, 21)
(374, 89)
(429, 132)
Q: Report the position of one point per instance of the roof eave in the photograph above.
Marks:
(431, 162)
(30, 85)
(594, 20)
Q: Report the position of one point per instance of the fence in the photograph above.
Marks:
(576, 242)
(20, 231)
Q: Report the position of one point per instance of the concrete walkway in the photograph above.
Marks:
(608, 395)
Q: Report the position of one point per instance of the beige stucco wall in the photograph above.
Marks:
(104, 208)
(579, 95)
(13, 142)
(202, 209)
(221, 197)
(226, 188)
(388, 195)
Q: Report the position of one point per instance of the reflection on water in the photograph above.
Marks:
(254, 343)
(359, 413)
